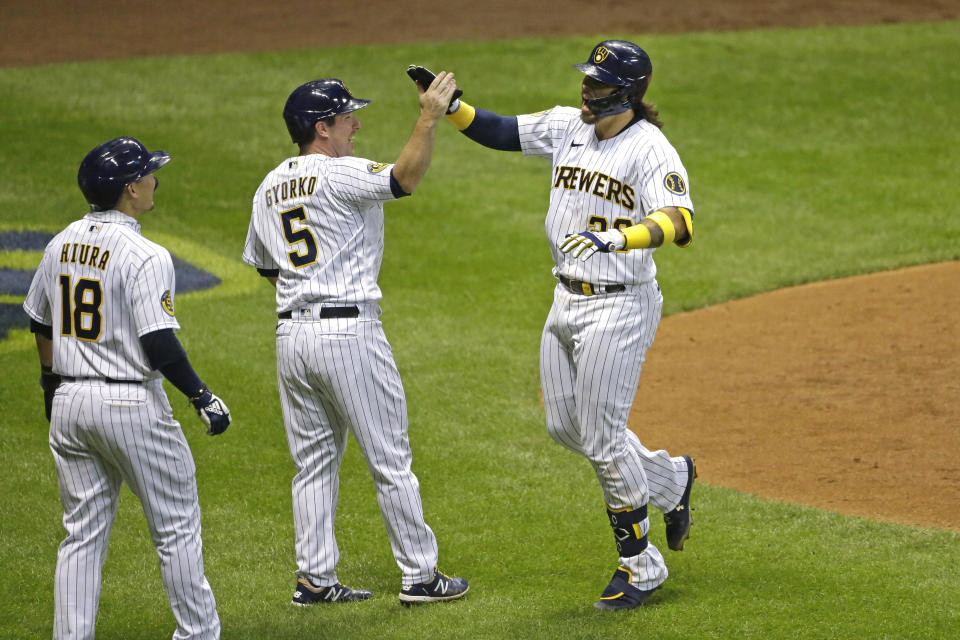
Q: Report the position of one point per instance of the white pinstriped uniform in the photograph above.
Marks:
(319, 220)
(593, 347)
(117, 286)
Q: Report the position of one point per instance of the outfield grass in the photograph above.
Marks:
(813, 154)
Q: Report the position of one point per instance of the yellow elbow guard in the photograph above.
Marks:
(462, 117)
(646, 235)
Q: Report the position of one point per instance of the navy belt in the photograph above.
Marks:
(586, 289)
(99, 379)
(328, 312)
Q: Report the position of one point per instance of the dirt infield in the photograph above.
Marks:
(841, 395)
(41, 31)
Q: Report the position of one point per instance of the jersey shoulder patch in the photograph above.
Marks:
(674, 183)
(377, 167)
(166, 302)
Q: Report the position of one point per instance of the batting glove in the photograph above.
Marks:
(584, 244)
(49, 381)
(213, 411)
(424, 77)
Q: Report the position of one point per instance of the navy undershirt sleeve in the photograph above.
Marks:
(494, 131)
(45, 330)
(398, 191)
(166, 355)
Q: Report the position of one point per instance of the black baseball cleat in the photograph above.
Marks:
(679, 520)
(307, 594)
(620, 594)
(441, 588)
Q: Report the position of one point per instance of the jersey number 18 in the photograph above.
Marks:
(80, 308)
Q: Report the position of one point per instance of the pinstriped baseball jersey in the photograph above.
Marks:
(593, 347)
(603, 184)
(320, 221)
(102, 285)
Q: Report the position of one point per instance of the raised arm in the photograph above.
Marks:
(484, 127)
(415, 157)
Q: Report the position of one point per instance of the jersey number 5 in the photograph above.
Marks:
(309, 253)
(80, 308)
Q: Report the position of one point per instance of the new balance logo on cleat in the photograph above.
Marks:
(307, 594)
(441, 588)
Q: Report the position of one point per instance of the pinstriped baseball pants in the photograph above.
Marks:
(591, 353)
(338, 376)
(102, 435)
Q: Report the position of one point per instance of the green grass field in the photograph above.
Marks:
(813, 154)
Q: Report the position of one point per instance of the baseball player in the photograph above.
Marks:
(316, 232)
(101, 306)
(617, 188)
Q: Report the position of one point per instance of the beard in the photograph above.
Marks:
(586, 116)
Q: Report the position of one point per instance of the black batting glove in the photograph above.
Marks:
(49, 381)
(424, 77)
(212, 410)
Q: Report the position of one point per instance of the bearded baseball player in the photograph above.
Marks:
(101, 306)
(618, 190)
(316, 232)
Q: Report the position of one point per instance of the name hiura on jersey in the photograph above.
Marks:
(101, 285)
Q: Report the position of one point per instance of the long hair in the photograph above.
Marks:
(648, 111)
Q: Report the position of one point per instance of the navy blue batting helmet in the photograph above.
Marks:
(314, 101)
(111, 166)
(622, 64)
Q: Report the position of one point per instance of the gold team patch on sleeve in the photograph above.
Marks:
(674, 183)
(166, 301)
(377, 167)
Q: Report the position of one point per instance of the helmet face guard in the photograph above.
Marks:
(111, 166)
(617, 102)
(314, 101)
(623, 65)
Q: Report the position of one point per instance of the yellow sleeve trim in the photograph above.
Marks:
(462, 117)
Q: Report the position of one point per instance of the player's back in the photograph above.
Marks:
(100, 276)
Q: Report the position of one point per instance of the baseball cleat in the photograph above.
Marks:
(680, 519)
(441, 588)
(620, 594)
(307, 594)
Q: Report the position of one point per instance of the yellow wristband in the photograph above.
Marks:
(462, 117)
(636, 237)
